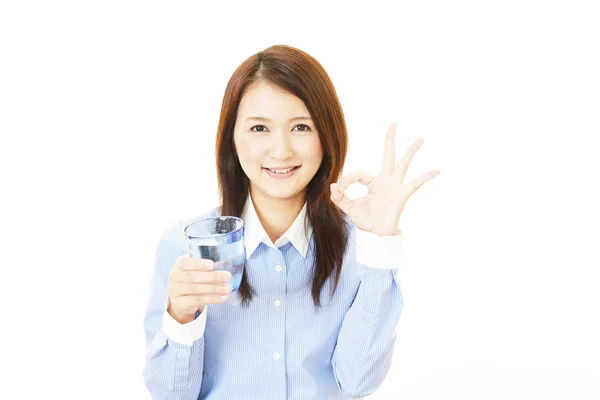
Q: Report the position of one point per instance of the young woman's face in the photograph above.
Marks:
(277, 144)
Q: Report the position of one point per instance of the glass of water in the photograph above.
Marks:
(220, 239)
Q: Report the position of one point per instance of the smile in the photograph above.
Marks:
(281, 173)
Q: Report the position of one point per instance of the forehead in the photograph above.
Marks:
(264, 100)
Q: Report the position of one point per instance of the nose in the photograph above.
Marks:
(281, 148)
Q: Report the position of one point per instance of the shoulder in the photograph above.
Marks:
(173, 233)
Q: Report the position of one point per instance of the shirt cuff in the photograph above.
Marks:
(376, 251)
(184, 334)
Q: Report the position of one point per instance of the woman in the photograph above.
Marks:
(316, 313)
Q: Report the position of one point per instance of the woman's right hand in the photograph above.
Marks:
(193, 283)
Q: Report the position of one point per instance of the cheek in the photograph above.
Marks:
(314, 153)
(249, 151)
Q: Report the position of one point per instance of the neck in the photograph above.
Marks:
(277, 215)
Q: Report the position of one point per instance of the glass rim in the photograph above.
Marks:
(216, 234)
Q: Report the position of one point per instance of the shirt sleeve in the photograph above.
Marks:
(173, 367)
(363, 352)
(183, 333)
(376, 251)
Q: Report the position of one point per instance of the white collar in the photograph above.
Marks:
(254, 233)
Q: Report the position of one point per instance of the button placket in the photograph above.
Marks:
(277, 304)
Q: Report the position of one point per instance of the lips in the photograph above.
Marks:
(282, 171)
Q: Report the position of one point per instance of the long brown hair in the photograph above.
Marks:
(298, 73)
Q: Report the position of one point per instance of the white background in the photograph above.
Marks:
(108, 114)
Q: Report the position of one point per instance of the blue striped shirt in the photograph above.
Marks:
(279, 347)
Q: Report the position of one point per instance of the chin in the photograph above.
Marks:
(280, 193)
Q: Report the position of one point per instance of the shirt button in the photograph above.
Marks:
(277, 303)
(278, 268)
(275, 356)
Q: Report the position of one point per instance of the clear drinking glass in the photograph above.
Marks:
(220, 239)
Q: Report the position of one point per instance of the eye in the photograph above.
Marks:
(303, 126)
(262, 128)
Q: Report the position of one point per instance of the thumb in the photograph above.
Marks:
(335, 192)
(341, 200)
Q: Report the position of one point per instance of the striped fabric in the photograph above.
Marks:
(280, 348)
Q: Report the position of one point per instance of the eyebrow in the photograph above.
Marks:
(269, 120)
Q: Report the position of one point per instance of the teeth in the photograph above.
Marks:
(281, 171)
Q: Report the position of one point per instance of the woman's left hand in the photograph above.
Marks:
(379, 211)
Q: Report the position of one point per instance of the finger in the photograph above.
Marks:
(344, 202)
(202, 276)
(355, 176)
(420, 181)
(191, 289)
(187, 263)
(389, 153)
(405, 161)
(196, 301)
(336, 195)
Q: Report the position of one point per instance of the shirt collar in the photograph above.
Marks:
(254, 233)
